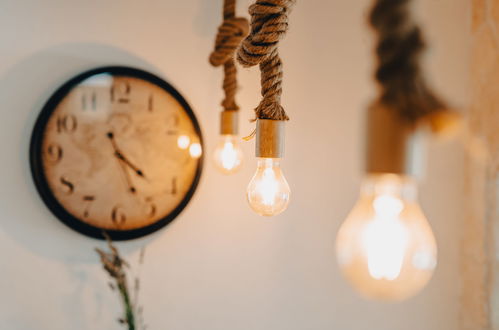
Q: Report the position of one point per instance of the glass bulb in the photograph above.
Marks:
(268, 191)
(228, 154)
(386, 247)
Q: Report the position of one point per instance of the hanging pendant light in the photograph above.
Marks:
(385, 247)
(268, 191)
(228, 155)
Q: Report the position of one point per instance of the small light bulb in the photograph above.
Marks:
(183, 142)
(386, 247)
(228, 154)
(268, 191)
(195, 150)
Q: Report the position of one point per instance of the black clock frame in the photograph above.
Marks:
(40, 180)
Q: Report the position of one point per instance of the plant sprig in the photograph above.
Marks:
(117, 268)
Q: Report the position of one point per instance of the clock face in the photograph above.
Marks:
(116, 150)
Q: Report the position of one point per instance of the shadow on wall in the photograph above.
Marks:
(24, 89)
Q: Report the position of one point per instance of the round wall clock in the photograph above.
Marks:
(116, 150)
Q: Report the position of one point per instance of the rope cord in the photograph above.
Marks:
(398, 50)
(269, 24)
(230, 34)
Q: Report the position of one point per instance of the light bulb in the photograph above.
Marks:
(268, 191)
(228, 155)
(386, 247)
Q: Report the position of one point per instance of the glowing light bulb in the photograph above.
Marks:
(386, 247)
(268, 191)
(228, 155)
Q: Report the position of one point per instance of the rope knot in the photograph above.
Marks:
(229, 36)
(269, 24)
(399, 47)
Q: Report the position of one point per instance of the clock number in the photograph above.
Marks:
(86, 105)
(68, 185)
(121, 93)
(150, 103)
(87, 200)
(54, 153)
(118, 217)
(66, 124)
(172, 123)
(151, 207)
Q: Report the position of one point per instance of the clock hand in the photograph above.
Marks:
(128, 179)
(121, 157)
(122, 165)
(127, 162)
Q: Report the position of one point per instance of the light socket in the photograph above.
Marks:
(229, 123)
(394, 145)
(269, 138)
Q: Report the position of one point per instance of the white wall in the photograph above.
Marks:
(219, 266)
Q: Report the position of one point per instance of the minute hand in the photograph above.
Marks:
(121, 157)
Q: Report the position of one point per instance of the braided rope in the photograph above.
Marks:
(269, 24)
(399, 47)
(230, 34)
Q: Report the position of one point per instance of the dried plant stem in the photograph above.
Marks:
(116, 267)
(129, 311)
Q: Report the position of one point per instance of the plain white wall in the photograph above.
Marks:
(219, 266)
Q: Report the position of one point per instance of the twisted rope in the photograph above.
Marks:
(230, 34)
(269, 23)
(399, 47)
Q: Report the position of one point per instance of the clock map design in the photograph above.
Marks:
(116, 149)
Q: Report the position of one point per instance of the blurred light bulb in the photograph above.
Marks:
(195, 150)
(228, 154)
(183, 142)
(386, 247)
(268, 191)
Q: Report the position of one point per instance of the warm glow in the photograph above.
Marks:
(183, 142)
(228, 155)
(268, 192)
(195, 150)
(386, 248)
(385, 239)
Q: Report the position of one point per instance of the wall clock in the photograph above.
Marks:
(116, 149)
